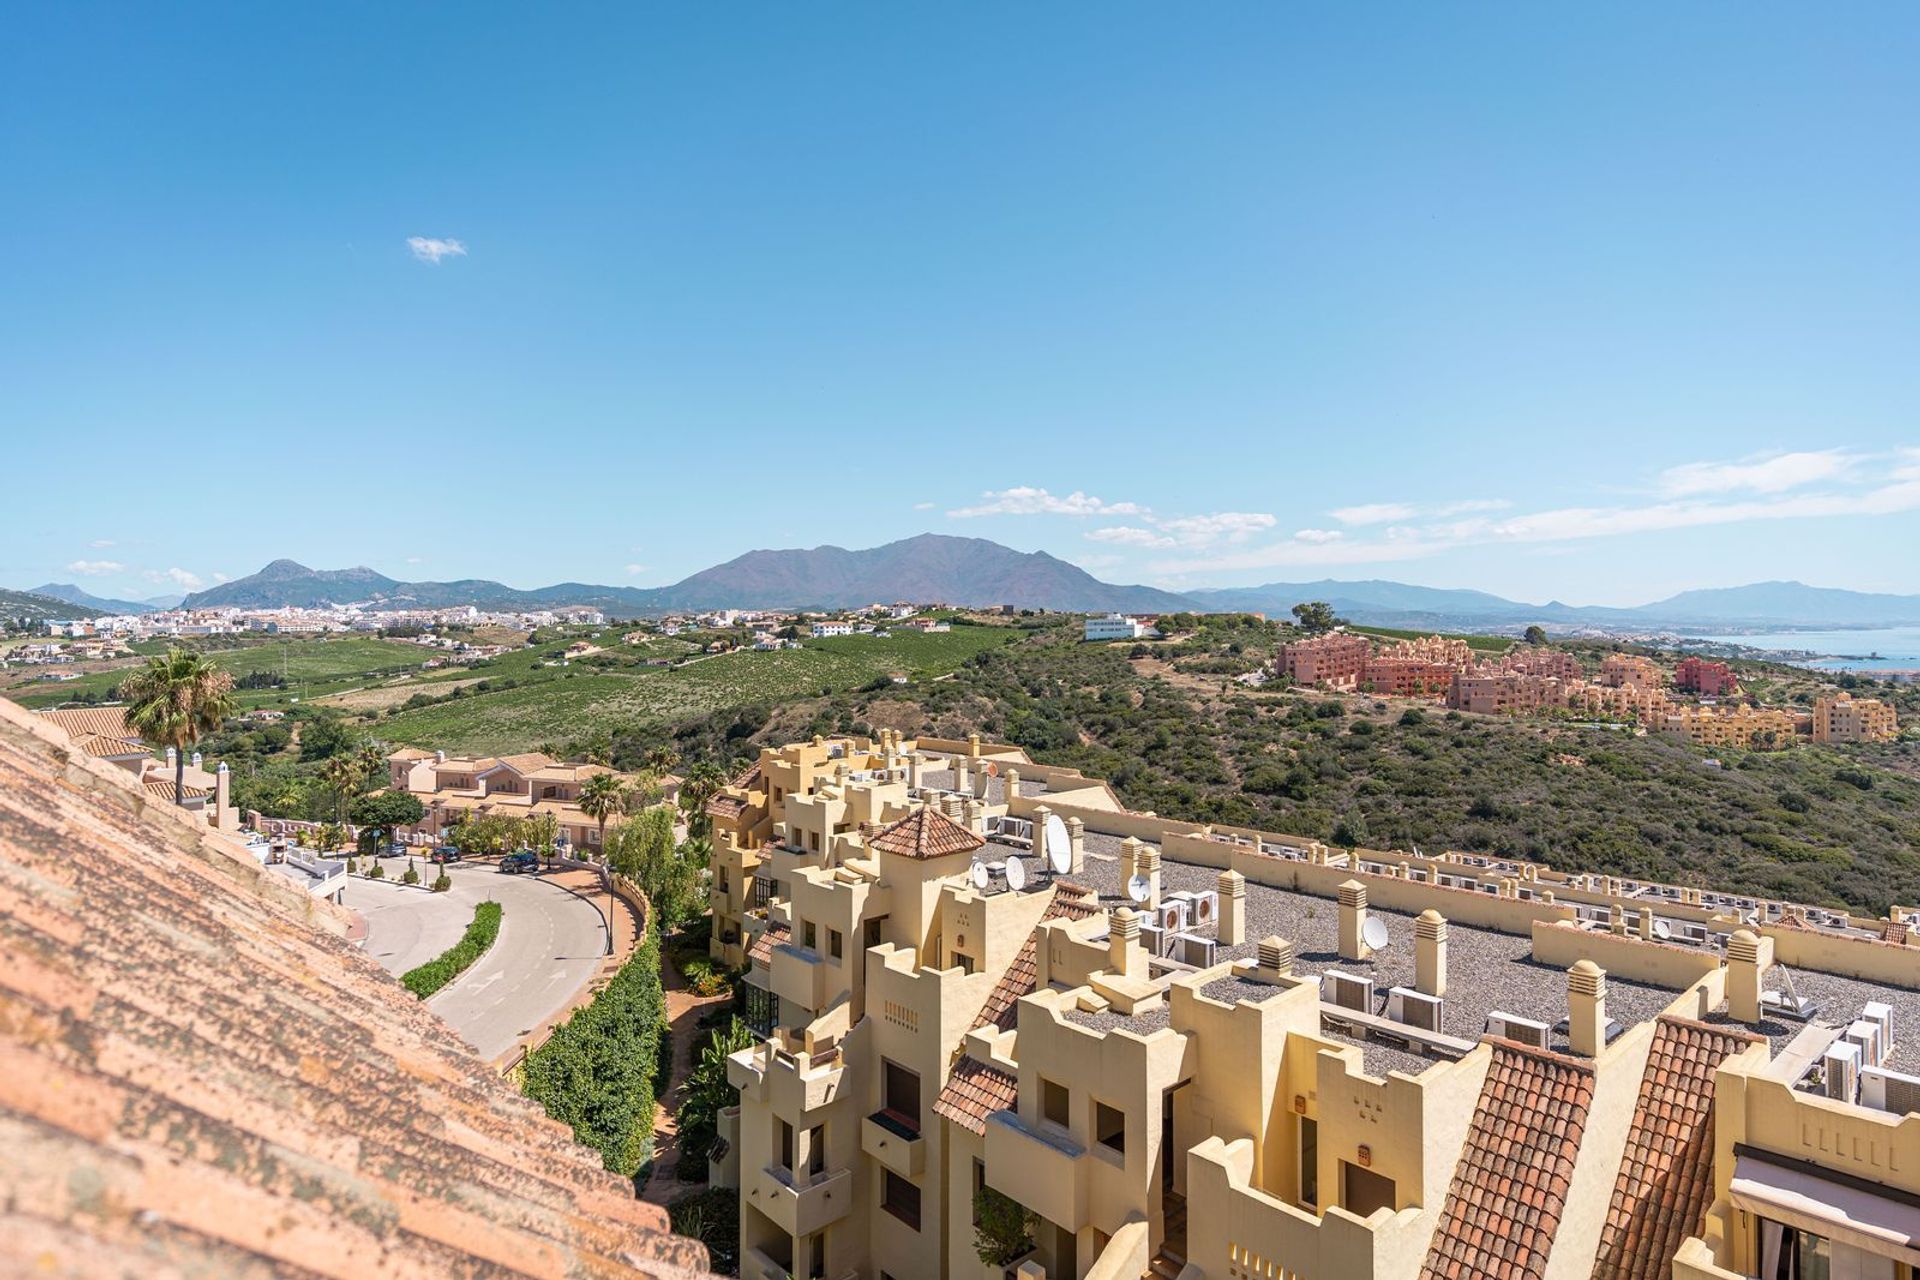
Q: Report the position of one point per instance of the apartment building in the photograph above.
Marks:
(529, 785)
(1488, 690)
(1206, 1053)
(103, 733)
(1407, 677)
(1845, 718)
(1114, 626)
(1445, 651)
(1532, 660)
(1335, 660)
(1620, 670)
(1737, 726)
(1706, 678)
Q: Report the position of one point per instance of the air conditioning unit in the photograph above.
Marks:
(1191, 948)
(1416, 1009)
(1889, 1091)
(1204, 909)
(1346, 990)
(1841, 1067)
(1511, 1026)
(1154, 939)
(1880, 1013)
(1865, 1036)
(1172, 915)
(1694, 933)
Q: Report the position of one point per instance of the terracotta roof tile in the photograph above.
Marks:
(185, 1065)
(162, 788)
(761, 952)
(108, 722)
(726, 806)
(749, 777)
(925, 833)
(1002, 1009)
(1666, 1177)
(1504, 1206)
(975, 1091)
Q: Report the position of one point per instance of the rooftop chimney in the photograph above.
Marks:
(1353, 921)
(1274, 959)
(1586, 1009)
(913, 769)
(1013, 787)
(962, 780)
(196, 759)
(973, 744)
(1125, 956)
(1231, 922)
(1430, 953)
(1749, 956)
(1076, 842)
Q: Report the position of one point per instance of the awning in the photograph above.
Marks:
(1827, 1206)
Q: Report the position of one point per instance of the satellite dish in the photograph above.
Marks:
(1374, 934)
(992, 769)
(980, 875)
(1059, 847)
(1139, 888)
(1662, 930)
(1016, 874)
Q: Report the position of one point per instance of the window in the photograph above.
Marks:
(817, 1257)
(786, 1146)
(836, 943)
(873, 928)
(1364, 1190)
(1110, 1127)
(979, 1185)
(900, 1094)
(817, 1149)
(1310, 1162)
(963, 962)
(1054, 1103)
(808, 938)
(901, 1199)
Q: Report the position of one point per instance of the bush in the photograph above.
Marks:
(378, 873)
(704, 978)
(473, 944)
(1003, 1227)
(707, 1095)
(713, 1218)
(442, 883)
(412, 873)
(596, 1074)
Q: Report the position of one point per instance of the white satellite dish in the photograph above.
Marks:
(1374, 934)
(981, 876)
(1662, 930)
(1059, 848)
(1016, 874)
(1139, 888)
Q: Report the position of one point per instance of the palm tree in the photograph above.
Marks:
(342, 774)
(602, 796)
(661, 759)
(703, 782)
(175, 699)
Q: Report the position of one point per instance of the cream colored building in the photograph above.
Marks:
(529, 785)
(1845, 718)
(1734, 726)
(103, 733)
(1203, 1053)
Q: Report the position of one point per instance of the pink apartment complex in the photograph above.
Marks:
(1336, 660)
(1708, 679)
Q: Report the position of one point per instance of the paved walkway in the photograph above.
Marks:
(684, 1009)
(551, 944)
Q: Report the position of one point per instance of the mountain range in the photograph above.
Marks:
(973, 571)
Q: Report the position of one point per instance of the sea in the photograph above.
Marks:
(1867, 649)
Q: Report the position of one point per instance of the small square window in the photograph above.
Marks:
(901, 1199)
(1054, 1106)
(808, 938)
(1110, 1127)
(836, 943)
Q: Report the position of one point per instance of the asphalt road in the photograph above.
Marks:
(550, 944)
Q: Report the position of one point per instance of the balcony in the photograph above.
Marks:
(798, 976)
(747, 1072)
(800, 1082)
(801, 1204)
(894, 1143)
(1046, 1171)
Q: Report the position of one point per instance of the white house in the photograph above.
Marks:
(1116, 626)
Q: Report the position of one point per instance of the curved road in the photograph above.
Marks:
(550, 944)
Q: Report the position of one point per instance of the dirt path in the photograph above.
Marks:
(684, 1009)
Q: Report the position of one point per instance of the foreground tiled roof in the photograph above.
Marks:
(200, 1077)
(162, 788)
(925, 833)
(748, 778)
(726, 806)
(975, 1091)
(108, 722)
(761, 952)
(1508, 1191)
(1666, 1176)
(1002, 1009)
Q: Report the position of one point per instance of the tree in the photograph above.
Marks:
(174, 700)
(643, 851)
(325, 736)
(1315, 616)
(703, 782)
(1003, 1227)
(602, 796)
(708, 1092)
(384, 811)
(342, 775)
(1536, 634)
(662, 758)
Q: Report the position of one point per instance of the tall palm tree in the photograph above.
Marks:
(703, 782)
(173, 701)
(661, 759)
(602, 796)
(342, 773)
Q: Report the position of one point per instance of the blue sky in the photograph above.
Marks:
(1594, 305)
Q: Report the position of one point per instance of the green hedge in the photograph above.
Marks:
(596, 1075)
(473, 944)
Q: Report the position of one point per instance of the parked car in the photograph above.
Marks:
(394, 849)
(444, 853)
(520, 860)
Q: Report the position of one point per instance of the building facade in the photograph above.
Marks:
(1333, 661)
(1845, 718)
(1708, 679)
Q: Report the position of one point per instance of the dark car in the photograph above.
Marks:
(520, 860)
(444, 853)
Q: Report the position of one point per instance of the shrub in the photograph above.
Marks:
(705, 978)
(412, 873)
(1003, 1227)
(596, 1074)
(707, 1095)
(378, 873)
(713, 1218)
(473, 944)
(442, 883)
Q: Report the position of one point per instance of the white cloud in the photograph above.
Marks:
(923, 506)
(415, 559)
(1762, 473)
(1126, 535)
(221, 577)
(95, 568)
(1221, 526)
(1716, 494)
(636, 569)
(1026, 501)
(182, 578)
(430, 249)
(101, 544)
(1374, 513)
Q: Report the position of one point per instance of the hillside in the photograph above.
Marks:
(931, 567)
(33, 606)
(93, 605)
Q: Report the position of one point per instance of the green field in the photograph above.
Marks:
(312, 666)
(559, 705)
